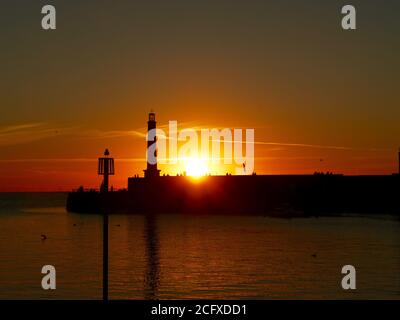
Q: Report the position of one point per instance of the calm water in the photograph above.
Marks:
(193, 257)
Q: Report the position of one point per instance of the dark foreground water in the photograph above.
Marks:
(179, 257)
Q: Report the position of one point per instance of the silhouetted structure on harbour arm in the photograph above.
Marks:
(275, 195)
(106, 169)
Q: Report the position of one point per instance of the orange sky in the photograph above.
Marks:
(29, 170)
(319, 98)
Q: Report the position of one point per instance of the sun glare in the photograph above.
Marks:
(196, 167)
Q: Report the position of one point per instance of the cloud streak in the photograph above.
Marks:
(29, 132)
(62, 160)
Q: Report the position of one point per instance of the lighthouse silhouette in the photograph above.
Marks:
(151, 171)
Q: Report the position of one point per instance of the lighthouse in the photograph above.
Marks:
(105, 169)
(151, 170)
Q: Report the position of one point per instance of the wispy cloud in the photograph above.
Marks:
(62, 160)
(138, 132)
(108, 134)
(28, 132)
(303, 145)
(19, 127)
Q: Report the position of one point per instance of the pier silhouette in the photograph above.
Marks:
(274, 195)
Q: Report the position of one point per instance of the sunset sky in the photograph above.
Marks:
(319, 98)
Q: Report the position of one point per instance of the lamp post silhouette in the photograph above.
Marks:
(105, 169)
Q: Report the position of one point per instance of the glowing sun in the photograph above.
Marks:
(196, 167)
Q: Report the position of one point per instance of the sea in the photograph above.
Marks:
(193, 256)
